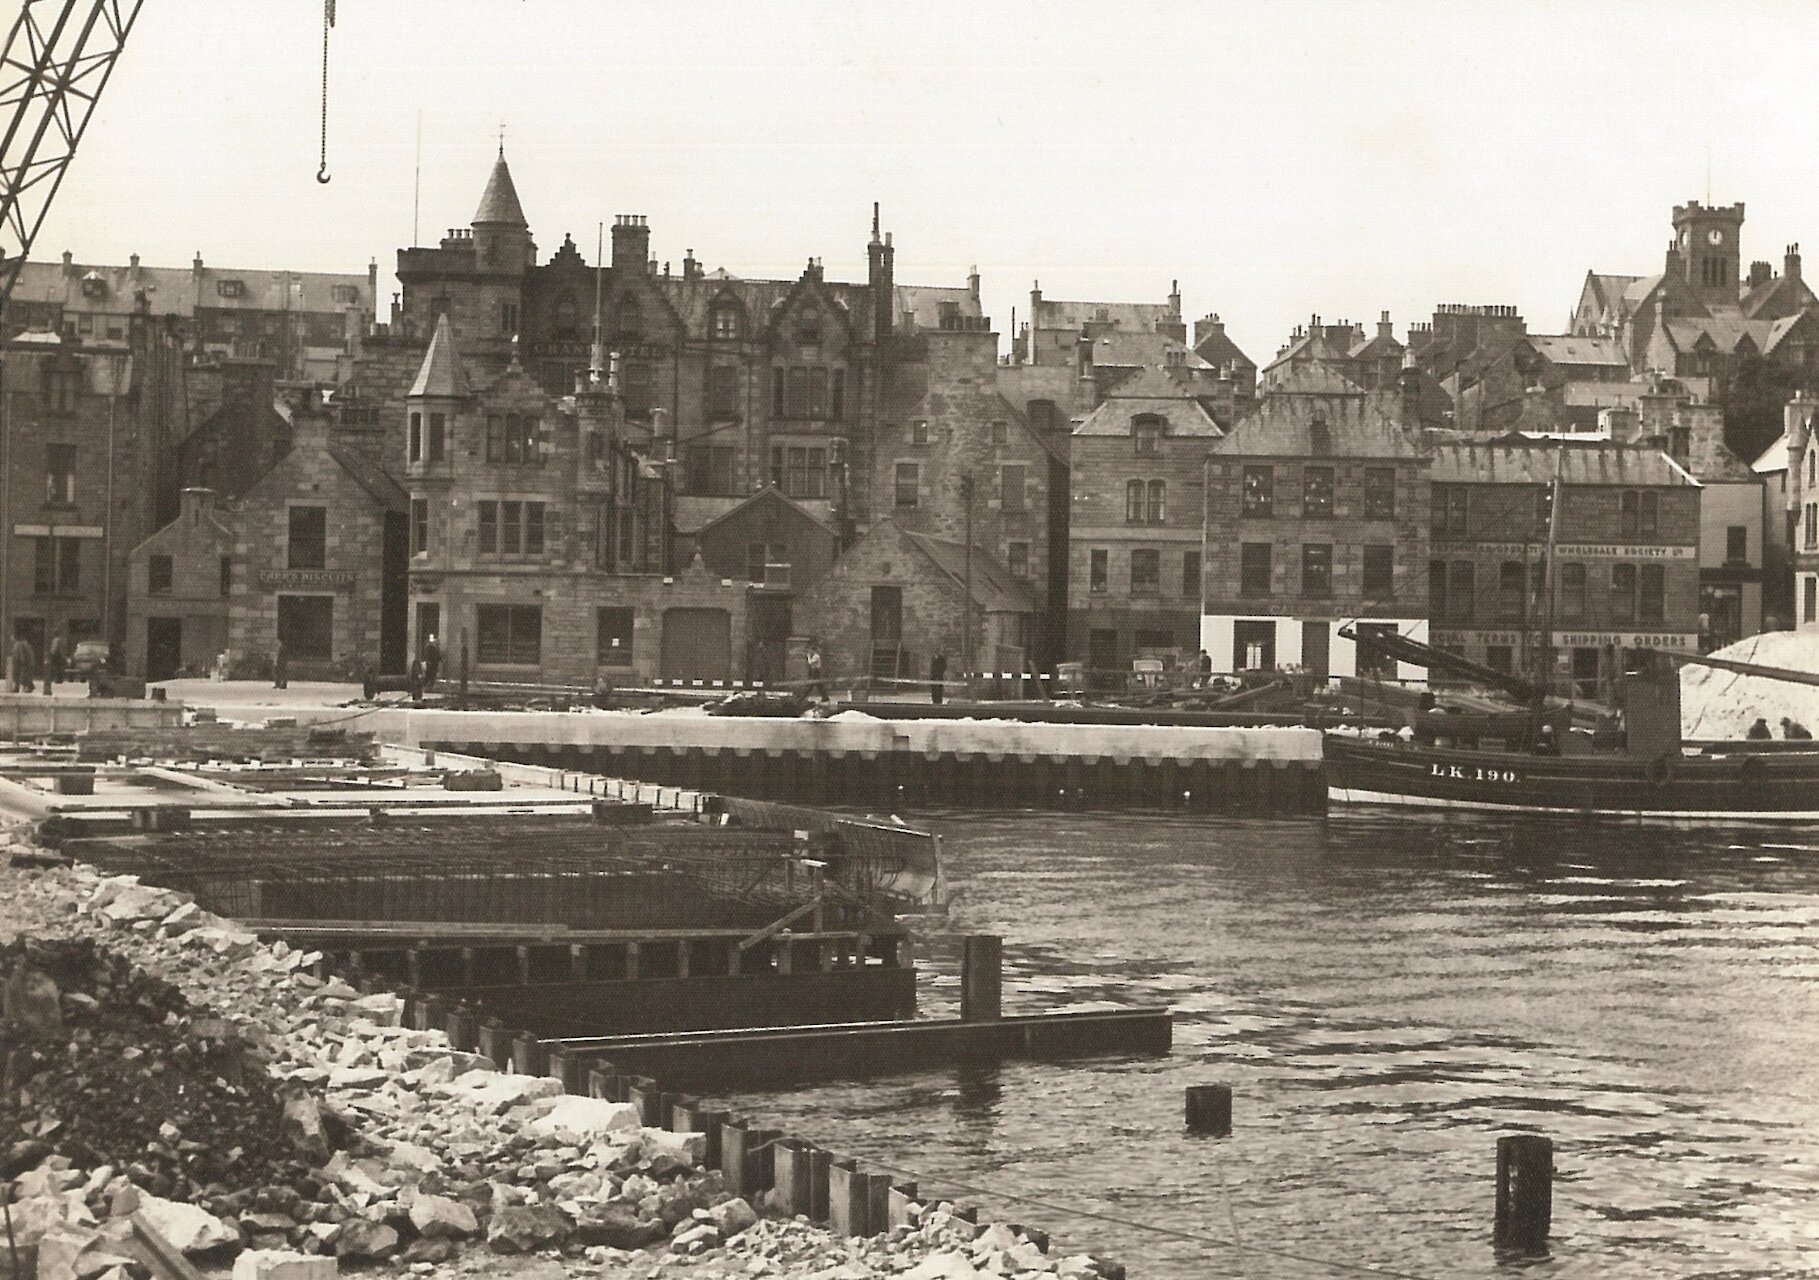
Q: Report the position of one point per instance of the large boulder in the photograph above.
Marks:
(618, 1226)
(732, 1217)
(189, 1229)
(303, 1128)
(526, 1228)
(364, 1238)
(585, 1118)
(282, 1264)
(443, 1217)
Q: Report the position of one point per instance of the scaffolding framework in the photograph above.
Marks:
(58, 57)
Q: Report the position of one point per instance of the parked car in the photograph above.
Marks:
(90, 658)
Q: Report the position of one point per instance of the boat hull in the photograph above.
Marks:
(1743, 787)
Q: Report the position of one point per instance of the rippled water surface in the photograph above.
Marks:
(1386, 996)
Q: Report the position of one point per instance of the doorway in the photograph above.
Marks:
(429, 623)
(163, 647)
(887, 632)
(770, 637)
(697, 644)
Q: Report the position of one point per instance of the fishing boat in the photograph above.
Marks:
(1543, 759)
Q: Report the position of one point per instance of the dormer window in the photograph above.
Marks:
(1146, 433)
(808, 328)
(230, 288)
(726, 323)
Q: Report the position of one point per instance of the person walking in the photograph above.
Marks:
(1794, 731)
(812, 660)
(25, 661)
(937, 675)
(1759, 732)
(432, 663)
(281, 667)
(57, 661)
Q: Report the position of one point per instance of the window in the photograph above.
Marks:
(1317, 569)
(508, 318)
(1511, 577)
(1436, 588)
(1572, 591)
(1462, 591)
(1017, 559)
(817, 392)
(708, 470)
(489, 528)
(1379, 572)
(419, 526)
(307, 547)
(229, 288)
(723, 389)
(438, 432)
(1651, 595)
(1010, 486)
(804, 471)
(59, 473)
(57, 566)
(613, 636)
(1452, 510)
(1379, 493)
(808, 328)
(1640, 512)
(798, 391)
(1146, 434)
(416, 450)
(1811, 593)
(158, 575)
(1259, 491)
(1158, 494)
(1812, 525)
(1190, 574)
(63, 385)
(919, 431)
(767, 564)
(1146, 571)
(510, 634)
(726, 323)
(1099, 573)
(1317, 493)
(227, 575)
(909, 480)
(1000, 433)
(631, 318)
(1737, 544)
(836, 404)
(1623, 593)
(510, 437)
(1135, 501)
(306, 627)
(640, 387)
(779, 403)
(1254, 569)
(510, 528)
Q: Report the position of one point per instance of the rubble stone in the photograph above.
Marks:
(273, 1264)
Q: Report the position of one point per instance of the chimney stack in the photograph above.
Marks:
(1384, 328)
(1790, 263)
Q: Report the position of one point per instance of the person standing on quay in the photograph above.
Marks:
(25, 661)
(937, 675)
(432, 663)
(281, 667)
(57, 661)
(812, 660)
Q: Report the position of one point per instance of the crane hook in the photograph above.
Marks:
(322, 174)
(328, 22)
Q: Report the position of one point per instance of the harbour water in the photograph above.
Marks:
(1386, 995)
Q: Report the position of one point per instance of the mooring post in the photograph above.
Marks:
(849, 1199)
(529, 1058)
(981, 978)
(819, 1162)
(790, 1174)
(1525, 1191)
(734, 1135)
(1209, 1109)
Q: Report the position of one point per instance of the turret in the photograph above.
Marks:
(502, 238)
(881, 278)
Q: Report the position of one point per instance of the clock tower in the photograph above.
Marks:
(1710, 243)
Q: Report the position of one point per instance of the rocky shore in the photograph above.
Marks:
(164, 1065)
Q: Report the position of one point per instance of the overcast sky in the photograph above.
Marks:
(1279, 159)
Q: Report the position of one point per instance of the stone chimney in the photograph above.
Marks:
(1206, 327)
(631, 245)
(1790, 262)
(972, 282)
(1385, 329)
(1760, 274)
(69, 263)
(1086, 387)
(691, 269)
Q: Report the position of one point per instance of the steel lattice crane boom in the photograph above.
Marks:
(58, 57)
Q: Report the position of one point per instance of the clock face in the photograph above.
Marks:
(1714, 237)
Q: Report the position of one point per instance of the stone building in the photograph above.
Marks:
(318, 562)
(300, 321)
(1626, 556)
(897, 598)
(1055, 327)
(1134, 540)
(82, 430)
(180, 580)
(778, 550)
(1316, 519)
(1371, 362)
(1800, 440)
(234, 443)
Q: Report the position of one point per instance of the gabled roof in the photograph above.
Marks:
(1301, 427)
(1725, 329)
(770, 494)
(1519, 461)
(1218, 350)
(1121, 347)
(441, 373)
(372, 477)
(1305, 378)
(994, 589)
(499, 202)
(1134, 317)
(1566, 348)
(1773, 458)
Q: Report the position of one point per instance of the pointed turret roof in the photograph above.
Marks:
(441, 373)
(500, 204)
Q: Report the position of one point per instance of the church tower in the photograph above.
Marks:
(1710, 243)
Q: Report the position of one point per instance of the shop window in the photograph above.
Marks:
(509, 634)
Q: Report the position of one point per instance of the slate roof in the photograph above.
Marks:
(1610, 291)
(1506, 461)
(499, 202)
(441, 373)
(1218, 349)
(770, 493)
(1292, 427)
(1149, 391)
(1726, 327)
(1134, 317)
(1773, 458)
(1566, 348)
(181, 291)
(1311, 378)
(372, 477)
(1121, 348)
(994, 589)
